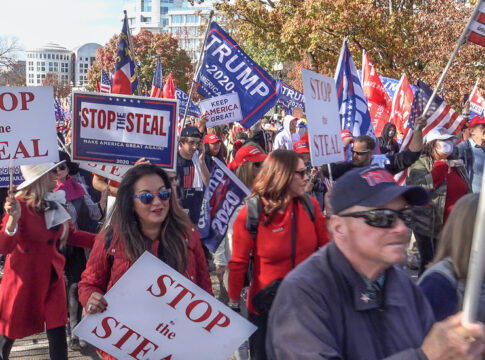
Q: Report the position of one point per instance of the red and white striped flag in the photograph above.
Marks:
(105, 84)
(477, 27)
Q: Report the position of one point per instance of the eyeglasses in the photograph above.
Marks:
(60, 167)
(360, 153)
(302, 173)
(383, 218)
(147, 198)
(172, 178)
(257, 164)
(193, 143)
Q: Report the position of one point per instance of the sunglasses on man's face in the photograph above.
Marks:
(383, 218)
(147, 198)
(360, 153)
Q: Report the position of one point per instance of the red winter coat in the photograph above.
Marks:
(97, 277)
(33, 291)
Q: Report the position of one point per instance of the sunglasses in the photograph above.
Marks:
(384, 218)
(60, 167)
(302, 173)
(360, 153)
(147, 198)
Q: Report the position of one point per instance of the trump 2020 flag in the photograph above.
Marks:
(223, 194)
(290, 98)
(157, 83)
(354, 112)
(227, 68)
(124, 78)
(183, 99)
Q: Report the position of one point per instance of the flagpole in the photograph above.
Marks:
(460, 42)
(199, 63)
(130, 44)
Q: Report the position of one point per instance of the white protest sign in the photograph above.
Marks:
(112, 172)
(321, 106)
(221, 109)
(154, 312)
(27, 126)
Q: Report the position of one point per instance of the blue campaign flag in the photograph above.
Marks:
(354, 112)
(289, 98)
(5, 177)
(223, 194)
(227, 68)
(183, 98)
(58, 112)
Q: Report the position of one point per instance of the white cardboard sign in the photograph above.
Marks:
(27, 126)
(154, 312)
(321, 106)
(221, 109)
(112, 172)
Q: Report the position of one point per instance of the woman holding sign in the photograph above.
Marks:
(146, 217)
(35, 228)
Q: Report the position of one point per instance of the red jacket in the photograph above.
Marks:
(97, 277)
(272, 248)
(33, 292)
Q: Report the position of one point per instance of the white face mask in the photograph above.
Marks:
(445, 147)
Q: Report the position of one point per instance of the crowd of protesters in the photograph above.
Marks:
(312, 252)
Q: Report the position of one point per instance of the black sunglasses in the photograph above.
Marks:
(383, 218)
(147, 198)
(60, 167)
(360, 153)
(302, 173)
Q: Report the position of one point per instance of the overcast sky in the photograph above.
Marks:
(69, 23)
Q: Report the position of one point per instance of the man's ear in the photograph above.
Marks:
(338, 227)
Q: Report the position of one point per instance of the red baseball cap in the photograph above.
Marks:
(346, 134)
(211, 139)
(245, 154)
(304, 137)
(301, 147)
(477, 120)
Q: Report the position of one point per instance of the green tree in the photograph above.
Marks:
(147, 47)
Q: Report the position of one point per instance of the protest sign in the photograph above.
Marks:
(27, 126)
(5, 177)
(289, 98)
(154, 312)
(323, 118)
(221, 109)
(120, 129)
(112, 172)
(183, 99)
(227, 68)
(223, 194)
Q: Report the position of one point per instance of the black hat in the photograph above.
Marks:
(372, 186)
(191, 131)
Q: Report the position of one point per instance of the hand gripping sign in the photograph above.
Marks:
(221, 109)
(119, 129)
(227, 68)
(27, 126)
(154, 312)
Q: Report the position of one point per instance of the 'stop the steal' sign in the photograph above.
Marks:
(323, 118)
(156, 313)
(27, 126)
(221, 109)
(227, 68)
(119, 129)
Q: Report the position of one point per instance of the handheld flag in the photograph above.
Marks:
(183, 98)
(380, 104)
(124, 78)
(157, 83)
(477, 27)
(169, 88)
(354, 112)
(289, 98)
(105, 85)
(402, 104)
(227, 68)
(477, 102)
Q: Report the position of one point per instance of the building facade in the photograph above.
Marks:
(84, 57)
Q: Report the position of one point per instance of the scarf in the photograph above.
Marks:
(72, 189)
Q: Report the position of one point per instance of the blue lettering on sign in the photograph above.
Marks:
(227, 69)
(183, 98)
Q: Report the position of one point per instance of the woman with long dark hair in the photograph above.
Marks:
(286, 235)
(146, 217)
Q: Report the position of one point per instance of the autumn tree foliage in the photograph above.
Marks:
(62, 89)
(147, 47)
(415, 37)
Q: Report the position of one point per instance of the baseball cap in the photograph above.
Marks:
(438, 133)
(191, 131)
(477, 120)
(211, 139)
(346, 134)
(245, 154)
(301, 147)
(372, 186)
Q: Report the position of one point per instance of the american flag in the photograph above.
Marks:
(440, 114)
(354, 112)
(105, 85)
(477, 27)
(157, 83)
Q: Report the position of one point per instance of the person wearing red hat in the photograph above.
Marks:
(472, 152)
(213, 147)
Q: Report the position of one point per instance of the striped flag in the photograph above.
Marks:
(105, 85)
(157, 83)
(477, 27)
(477, 102)
(354, 112)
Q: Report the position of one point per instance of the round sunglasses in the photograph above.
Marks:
(383, 218)
(147, 198)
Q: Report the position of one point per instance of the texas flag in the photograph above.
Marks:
(477, 102)
(378, 100)
(124, 78)
(402, 104)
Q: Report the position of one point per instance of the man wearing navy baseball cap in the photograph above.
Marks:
(348, 301)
